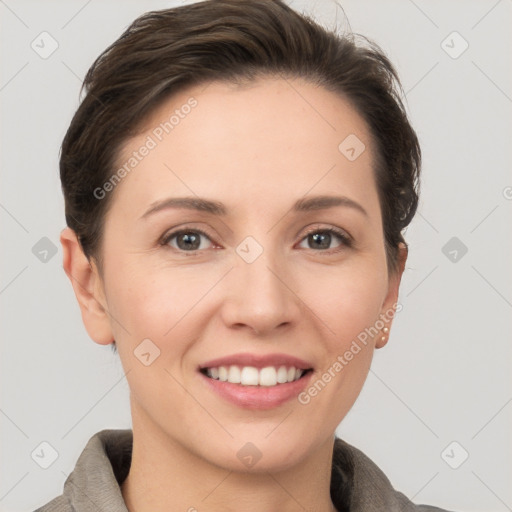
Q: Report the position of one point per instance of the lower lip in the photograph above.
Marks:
(257, 397)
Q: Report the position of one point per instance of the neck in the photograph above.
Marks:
(164, 475)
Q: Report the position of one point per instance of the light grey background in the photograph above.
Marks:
(444, 376)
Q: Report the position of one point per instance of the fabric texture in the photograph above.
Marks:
(94, 484)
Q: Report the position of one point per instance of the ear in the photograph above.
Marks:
(393, 288)
(88, 287)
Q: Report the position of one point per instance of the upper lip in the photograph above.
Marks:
(258, 361)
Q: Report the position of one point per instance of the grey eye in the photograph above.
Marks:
(187, 240)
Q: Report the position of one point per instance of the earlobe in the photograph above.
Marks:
(88, 289)
(388, 309)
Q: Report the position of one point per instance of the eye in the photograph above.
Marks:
(192, 240)
(187, 240)
(322, 238)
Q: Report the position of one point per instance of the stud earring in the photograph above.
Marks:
(385, 330)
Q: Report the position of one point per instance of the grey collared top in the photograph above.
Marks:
(94, 484)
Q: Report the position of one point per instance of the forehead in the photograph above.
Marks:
(272, 135)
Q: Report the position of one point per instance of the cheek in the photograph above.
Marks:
(347, 299)
(153, 303)
(347, 303)
(156, 306)
(350, 311)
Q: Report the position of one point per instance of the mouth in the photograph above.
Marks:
(254, 381)
(267, 376)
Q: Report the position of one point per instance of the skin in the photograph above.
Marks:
(257, 149)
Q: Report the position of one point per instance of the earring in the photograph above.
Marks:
(385, 330)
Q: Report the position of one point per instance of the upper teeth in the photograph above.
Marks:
(251, 376)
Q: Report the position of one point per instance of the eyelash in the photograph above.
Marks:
(346, 240)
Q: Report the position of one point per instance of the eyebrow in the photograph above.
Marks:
(216, 208)
(324, 202)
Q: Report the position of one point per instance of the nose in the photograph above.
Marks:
(260, 297)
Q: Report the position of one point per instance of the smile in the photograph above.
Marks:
(252, 376)
(256, 381)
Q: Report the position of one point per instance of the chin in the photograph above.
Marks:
(259, 453)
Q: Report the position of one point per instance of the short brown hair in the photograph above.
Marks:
(163, 52)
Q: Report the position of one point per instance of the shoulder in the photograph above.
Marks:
(371, 490)
(58, 504)
(100, 469)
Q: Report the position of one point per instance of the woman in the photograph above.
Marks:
(236, 182)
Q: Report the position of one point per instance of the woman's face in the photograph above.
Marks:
(254, 279)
